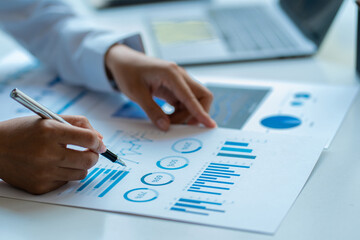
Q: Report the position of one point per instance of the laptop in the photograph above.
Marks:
(279, 29)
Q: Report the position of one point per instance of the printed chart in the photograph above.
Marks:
(217, 177)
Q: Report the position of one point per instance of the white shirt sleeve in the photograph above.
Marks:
(53, 33)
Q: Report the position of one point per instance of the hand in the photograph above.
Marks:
(34, 157)
(141, 77)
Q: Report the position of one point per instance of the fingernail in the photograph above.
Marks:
(214, 123)
(162, 124)
(103, 148)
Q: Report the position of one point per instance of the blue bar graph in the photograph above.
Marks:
(235, 155)
(206, 192)
(198, 207)
(240, 144)
(198, 201)
(244, 150)
(124, 173)
(228, 165)
(219, 170)
(232, 149)
(116, 175)
(73, 101)
(218, 167)
(90, 180)
(100, 181)
(187, 211)
(226, 174)
(213, 175)
(105, 179)
(90, 174)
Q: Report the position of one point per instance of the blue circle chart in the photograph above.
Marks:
(157, 179)
(141, 195)
(172, 163)
(187, 145)
(281, 122)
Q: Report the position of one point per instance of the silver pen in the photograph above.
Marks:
(43, 112)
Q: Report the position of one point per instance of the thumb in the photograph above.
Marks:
(153, 110)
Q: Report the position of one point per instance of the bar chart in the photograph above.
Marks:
(193, 206)
(101, 181)
(234, 149)
(217, 178)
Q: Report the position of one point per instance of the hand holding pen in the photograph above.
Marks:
(34, 153)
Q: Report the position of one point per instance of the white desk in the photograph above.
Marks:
(327, 208)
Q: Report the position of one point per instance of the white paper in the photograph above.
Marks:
(294, 108)
(247, 180)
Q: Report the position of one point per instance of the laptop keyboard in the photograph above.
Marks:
(252, 28)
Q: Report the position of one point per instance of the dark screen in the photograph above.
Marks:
(313, 17)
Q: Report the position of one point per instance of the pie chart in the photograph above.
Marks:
(281, 122)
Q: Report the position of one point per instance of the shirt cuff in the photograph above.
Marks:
(94, 68)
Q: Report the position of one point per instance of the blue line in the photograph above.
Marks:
(230, 165)
(90, 180)
(189, 205)
(107, 171)
(214, 193)
(198, 182)
(211, 187)
(236, 144)
(197, 201)
(116, 175)
(217, 182)
(113, 184)
(212, 175)
(217, 166)
(186, 211)
(75, 99)
(211, 178)
(90, 174)
(197, 188)
(227, 174)
(235, 155)
(198, 207)
(219, 170)
(236, 149)
(105, 179)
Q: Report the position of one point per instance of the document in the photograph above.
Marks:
(280, 107)
(260, 106)
(219, 177)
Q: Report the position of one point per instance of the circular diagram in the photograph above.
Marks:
(187, 145)
(281, 122)
(157, 179)
(141, 195)
(172, 163)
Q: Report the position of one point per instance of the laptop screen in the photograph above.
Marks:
(313, 17)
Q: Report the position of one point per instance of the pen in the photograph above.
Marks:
(43, 112)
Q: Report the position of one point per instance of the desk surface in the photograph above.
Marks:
(327, 208)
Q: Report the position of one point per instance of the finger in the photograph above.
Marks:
(205, 96)
(201, 92)
(67, 174)
(186, 96)
(180, 116)
(153, 111)
(193, 121)
(80, 137)
(80, 121)
(81, 160)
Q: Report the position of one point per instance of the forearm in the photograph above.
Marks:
(52, 32)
